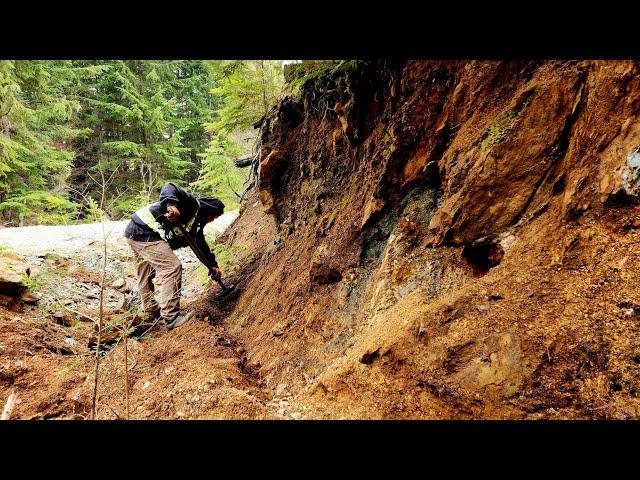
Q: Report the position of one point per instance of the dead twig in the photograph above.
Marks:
(104, 276)
(125, 335)
(114, 412)
(231, 187)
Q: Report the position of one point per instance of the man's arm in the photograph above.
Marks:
(169, 201)
(202, 244)
(173, 213)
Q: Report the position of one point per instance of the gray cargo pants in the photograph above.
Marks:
(157, 259)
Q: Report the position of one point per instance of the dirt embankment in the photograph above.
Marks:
(451, 239)
(47, 346)
(427, 240)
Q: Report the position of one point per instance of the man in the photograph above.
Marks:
(152, 234)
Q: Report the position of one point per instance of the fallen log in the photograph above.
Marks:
(244, 161)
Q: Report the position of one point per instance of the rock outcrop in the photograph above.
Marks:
(13, 273)
(470, 232)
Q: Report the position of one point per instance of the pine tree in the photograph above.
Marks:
(147, 118)
(196, 104)
(34, 130)
(248, 89)
(65, 126)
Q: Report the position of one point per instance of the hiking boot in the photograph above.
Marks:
(153, 313)
(181, 319)
(146, 318)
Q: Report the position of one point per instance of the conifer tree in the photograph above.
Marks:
(147, 118)
(66, 124)
(248, 89)
(34, 160)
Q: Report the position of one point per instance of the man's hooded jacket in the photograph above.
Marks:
(150, 225)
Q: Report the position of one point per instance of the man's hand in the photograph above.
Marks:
(172, 213)
(215, 273)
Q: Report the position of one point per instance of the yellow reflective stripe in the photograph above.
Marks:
(188, 226)
(147, 217)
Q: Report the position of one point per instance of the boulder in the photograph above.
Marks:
(123, 285)
(13, 273)
(29, 298)
(271, 167)
(63, 318)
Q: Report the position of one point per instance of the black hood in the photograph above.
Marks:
(210, 206)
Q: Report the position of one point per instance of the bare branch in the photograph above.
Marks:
(102, 284)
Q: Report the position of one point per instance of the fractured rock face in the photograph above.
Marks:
(371, 209)
(322, 271)
(453, 190)
(631, 174)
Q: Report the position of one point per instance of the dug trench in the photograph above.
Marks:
(426, 239)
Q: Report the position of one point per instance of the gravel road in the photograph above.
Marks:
(72, 239)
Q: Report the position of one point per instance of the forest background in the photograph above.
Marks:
(82, 136)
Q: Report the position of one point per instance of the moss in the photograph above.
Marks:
(300, 73)
(347, 196)
(203, 274)
(306, 72)
(344, 200)
(498, 131)
(505, 122)
(331, 218)
(52, 256)
(303, 73)
(223, 255)
(306, 69)
(34, 283)
(51, 307)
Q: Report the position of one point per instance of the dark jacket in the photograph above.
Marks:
(187, 205)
